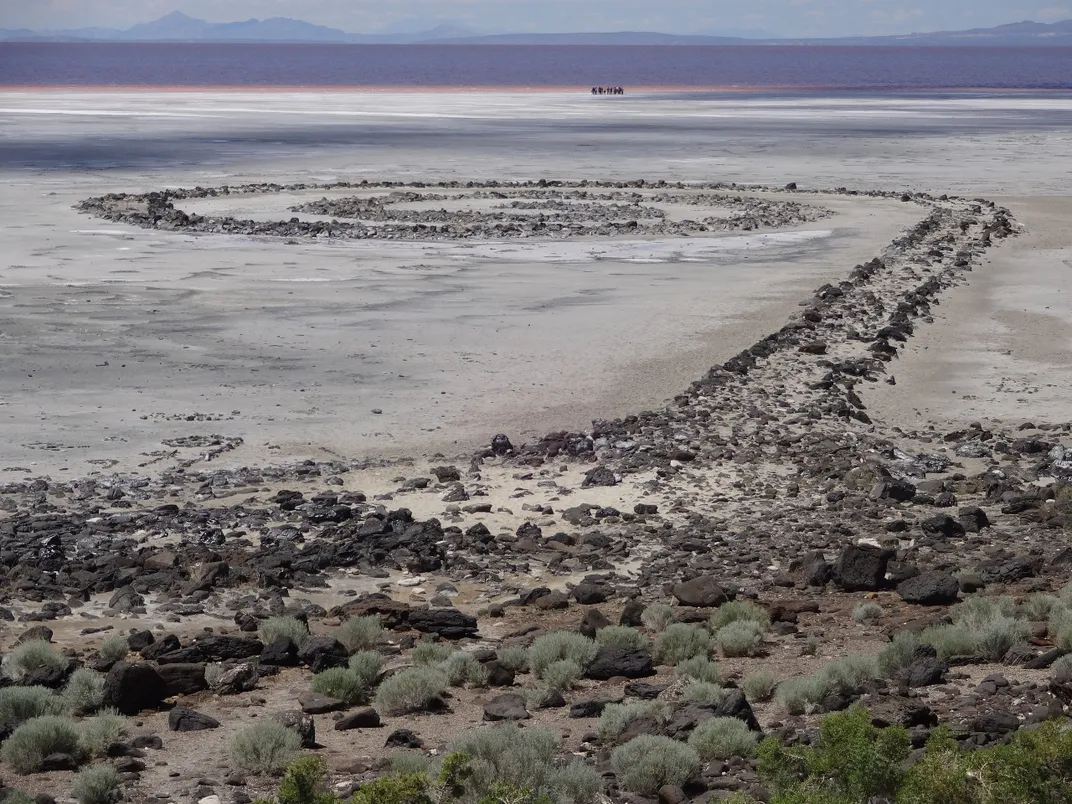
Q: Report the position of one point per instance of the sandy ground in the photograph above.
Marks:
(113, 337)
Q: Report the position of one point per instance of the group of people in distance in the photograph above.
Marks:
(608, 91)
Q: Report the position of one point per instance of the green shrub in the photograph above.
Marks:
(852, 761)
(25, 750)
(740, 638)
(621, 635)
(559, 645)
(681, 641)
(760, 685)
(951, 640)
(812, 644)
(867, 613)
(360, 633)
(1062, 667)
(266, 748)
(798, 695)
(1040, 606)
(562, 675)
(898, 654)
(411, 690)
(658, 616)
(739, 611)
(30, 656)
(15, 796)
(427, 654)
(114, 649)
(975, 612)
(366, 666)
(723, 738)
(516, 660)
(84, 692)
(646, 763)
(847, 675)
(101, 732)
(97, 784)
(1060, 628)
(19, 704)
(410, 788)
(341, 683)
(700, 668)
(278, 627)
(509, 755)
(1000, 634)
(213, 674)
(410, 761)
(616, 718)
(704, 692)
(575, 783)
(303, 783)
(463, 669)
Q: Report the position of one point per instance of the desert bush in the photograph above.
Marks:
(704, 692)
(101, 732)
(951, 640)
(409, 788)
(1000, 634)
(411, 690)
(341, 683)
(84, 692)
(760, 685)
(723, 738)
(739, 638)
(427, 654)
(616, 718)
(506, 754)
(213, 673)
(898, 654)
(97, 784)
(303, 782)
(278, 627)
(658, 616)
(848, 674)
(976, 612)
(1062, 667)
(360, 633)
(621, 635)
(30, 656)
(19, 704)
(562, 675)
(681, 641)
(1060, 628)
(409, 761)
(867, 613)
(541, 697)
(575, 783)
(1039, 606)
(25, 750)
(114, 649)
(648, 762)
(516, 660)
(266, 748)
(558, 645)
(366, 665)
(700, 668)
(852, 761)
(812, 644)
(15, 796)
(797, 695)
(737, 611)
(463, 669)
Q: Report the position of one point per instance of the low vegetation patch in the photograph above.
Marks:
(266, 748)
(560, 645)
(29, 656)
(680, 642)
(723, 738)
(647, 763)
(411, 690)
(279, 627)
(26, 749)
(97, 784)
(360, 633)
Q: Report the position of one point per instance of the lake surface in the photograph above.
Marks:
(875, 69)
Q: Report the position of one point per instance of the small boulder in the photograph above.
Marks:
(932, 588)
(301, 724)
(182, 719)
(861, 568)
(703, 591)
(130, 688)
(508, 706)
(367, 718)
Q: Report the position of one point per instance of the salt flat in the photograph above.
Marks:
(113, 336)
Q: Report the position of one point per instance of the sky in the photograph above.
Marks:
(791, 18)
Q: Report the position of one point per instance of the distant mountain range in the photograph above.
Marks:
(178, 27)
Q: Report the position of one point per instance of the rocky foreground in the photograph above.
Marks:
(765, 493)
